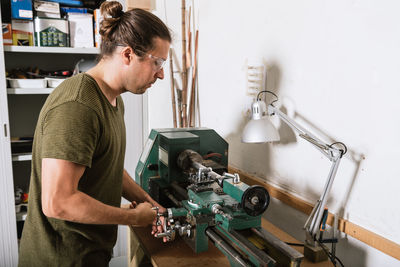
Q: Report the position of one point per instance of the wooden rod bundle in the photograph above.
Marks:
(184, 113)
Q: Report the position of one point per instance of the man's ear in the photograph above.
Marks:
(127, 55)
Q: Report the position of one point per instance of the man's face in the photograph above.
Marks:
(143, 71)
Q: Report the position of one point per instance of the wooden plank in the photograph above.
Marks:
(368, 237)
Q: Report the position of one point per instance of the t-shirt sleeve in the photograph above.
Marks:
(70, 132)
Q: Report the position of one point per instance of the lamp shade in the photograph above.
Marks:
(260, 131)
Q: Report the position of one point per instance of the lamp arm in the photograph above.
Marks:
(324, 148)
(313, 222)
(333, 154)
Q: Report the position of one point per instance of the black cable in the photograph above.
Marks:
(342, 144)
(341, 263)
(330, 256)
(266, 91)
(327, 253)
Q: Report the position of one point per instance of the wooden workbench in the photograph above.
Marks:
(178, 254)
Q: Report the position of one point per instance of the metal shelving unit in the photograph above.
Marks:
(29, 91)
(58, 50)
(22, 157)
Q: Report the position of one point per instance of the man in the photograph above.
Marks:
(79, 146)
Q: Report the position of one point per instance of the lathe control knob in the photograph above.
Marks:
(255, 200)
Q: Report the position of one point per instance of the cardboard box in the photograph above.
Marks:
(47, 9)
(51, 32)
(148, 5)
(81, 29)
(21, 9)
(7, 34)
(48, 15)
(22, 32)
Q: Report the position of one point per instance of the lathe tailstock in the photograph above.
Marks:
(185, 170)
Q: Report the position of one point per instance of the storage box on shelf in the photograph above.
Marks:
(62, 57)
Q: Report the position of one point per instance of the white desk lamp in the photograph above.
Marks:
(260, 130)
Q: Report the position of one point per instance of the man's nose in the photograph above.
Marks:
(160, 74)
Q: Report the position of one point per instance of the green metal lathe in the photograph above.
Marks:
(185, 170)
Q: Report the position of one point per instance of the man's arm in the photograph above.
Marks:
(133, 192)
(61, 198)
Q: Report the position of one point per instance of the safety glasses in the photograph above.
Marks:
(159, 62)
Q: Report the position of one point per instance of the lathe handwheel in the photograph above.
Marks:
(255, 200)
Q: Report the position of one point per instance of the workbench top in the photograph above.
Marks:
(178, 254)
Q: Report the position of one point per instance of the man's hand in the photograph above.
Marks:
(144, 215)
(158, 229)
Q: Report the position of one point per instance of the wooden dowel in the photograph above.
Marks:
(184, 70)
(171, 70)
(179, 102)
(193, 91)
(189, 46)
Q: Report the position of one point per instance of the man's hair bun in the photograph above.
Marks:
(111, 12)
(136, 28)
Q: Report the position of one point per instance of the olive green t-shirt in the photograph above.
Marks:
(77, 123)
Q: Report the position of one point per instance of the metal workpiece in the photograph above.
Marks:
(233, 256)
(191, 159)
(279, 250)
(172, 228)
(205, 174)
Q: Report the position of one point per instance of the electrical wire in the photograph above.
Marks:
(266, 91)
(344, 151)
(330, 256)
(218, 155)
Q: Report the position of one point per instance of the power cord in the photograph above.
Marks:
(330, 256)
(344, 150)
(266, 91)
(333, 258)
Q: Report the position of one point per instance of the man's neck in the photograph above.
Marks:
(107, 83)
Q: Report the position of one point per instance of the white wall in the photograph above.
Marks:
(334, 66)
